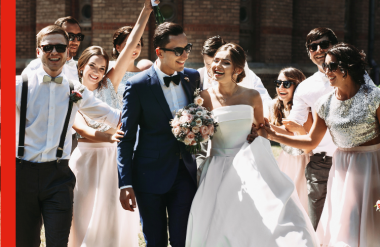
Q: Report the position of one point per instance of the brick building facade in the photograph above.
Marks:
(272, 31)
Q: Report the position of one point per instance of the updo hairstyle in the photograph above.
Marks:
(350, 61)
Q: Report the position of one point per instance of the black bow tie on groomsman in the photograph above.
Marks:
(175, 79)
(57, 80)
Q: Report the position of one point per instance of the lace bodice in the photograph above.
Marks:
(287, 149)
(354, 121)
(108, 95)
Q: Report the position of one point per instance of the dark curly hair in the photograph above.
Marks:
(211, 45)
(296, 76)
(238, 59)
(118, 38)
(351, 61)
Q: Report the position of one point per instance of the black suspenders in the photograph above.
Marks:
(21, 137)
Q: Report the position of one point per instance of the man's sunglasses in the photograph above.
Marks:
(179, 50)
(323, 44)
(285, 84)
(331, 66)
(49, 48)
(79, 36)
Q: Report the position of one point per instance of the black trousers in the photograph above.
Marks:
(160, 211)
(317, 174)
(44, 192)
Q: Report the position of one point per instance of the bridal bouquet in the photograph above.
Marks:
(194, 124)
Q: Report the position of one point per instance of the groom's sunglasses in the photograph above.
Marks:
(285, 84)
(178, 51)
(49, 48)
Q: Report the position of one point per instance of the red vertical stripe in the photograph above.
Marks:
(8, 123)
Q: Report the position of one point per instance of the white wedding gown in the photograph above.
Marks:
(243, 198)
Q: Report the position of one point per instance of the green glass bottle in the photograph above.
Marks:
(157, 13)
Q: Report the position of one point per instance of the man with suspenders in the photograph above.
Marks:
(46, 103)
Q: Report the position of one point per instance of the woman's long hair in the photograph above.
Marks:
(85, 57)
(296, 76)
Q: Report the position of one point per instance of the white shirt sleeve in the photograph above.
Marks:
(300, 109)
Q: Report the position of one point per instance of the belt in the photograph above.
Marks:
(42, 164)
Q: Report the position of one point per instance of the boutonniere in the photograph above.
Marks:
(186, 79)
(75, 96)
(197, 98)
(377, 206)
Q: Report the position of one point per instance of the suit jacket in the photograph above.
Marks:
(152, 168)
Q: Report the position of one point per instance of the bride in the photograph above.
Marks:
(243, 198)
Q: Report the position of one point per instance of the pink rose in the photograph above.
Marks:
(206, 116)
(183, 119)
(190, 135)
(176, 130)
(211, 129)
(377, 205)
(185, 130)
(198, 100)
(204, 130)
(191, 109)
(193, 143)
(187, 141)
(189, 118)
(175, 122)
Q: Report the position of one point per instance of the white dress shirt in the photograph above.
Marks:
(47, 107)
(69, 68)
(306, 94)
(174, 94)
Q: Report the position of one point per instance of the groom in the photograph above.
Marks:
(161, 173)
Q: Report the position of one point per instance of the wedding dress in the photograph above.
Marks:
(243, 198)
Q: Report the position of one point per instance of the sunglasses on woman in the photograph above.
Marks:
(331, 66)
(60, 48)
(179, 50)
(285, 84)
(79, 36)
(323, 44)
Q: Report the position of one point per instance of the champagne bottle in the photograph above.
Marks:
(157, 13)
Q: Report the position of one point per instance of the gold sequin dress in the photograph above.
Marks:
(349, 217)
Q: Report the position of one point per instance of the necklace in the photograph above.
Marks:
(222, 100)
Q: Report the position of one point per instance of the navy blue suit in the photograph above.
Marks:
(161, 170)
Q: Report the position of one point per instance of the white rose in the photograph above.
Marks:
(198, 100)
(195, 129)
(199, 114)
(198, 121)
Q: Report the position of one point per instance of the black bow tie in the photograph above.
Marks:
(175, 79)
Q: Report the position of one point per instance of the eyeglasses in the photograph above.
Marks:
(79, 36)
(49, 48)
(285, 84)
(178, 51)
(332, 66)
(323, 44)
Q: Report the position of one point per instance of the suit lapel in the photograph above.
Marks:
(186, 85)
(156, 88)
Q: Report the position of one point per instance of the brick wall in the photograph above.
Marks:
(310, 14)
(25, 29)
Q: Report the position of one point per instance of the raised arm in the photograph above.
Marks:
(116, 74)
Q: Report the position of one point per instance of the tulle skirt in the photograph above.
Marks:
(294, 166)
(349, 217)
(99, 220)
